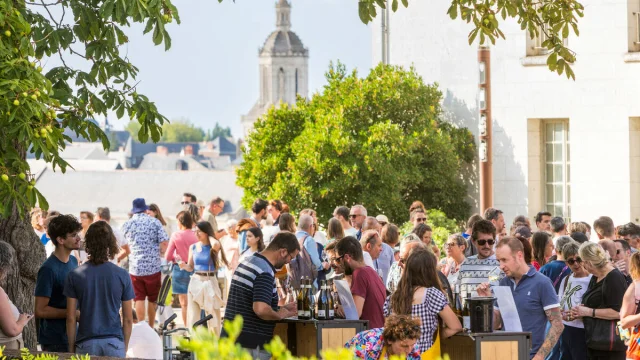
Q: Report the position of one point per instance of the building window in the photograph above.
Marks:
(534, 46)
(633, 19)
(557, 176)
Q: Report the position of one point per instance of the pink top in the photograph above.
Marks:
(179, 244)
(231, 251)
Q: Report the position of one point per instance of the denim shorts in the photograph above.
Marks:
(180, 280)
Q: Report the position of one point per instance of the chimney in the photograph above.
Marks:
(188, 150)
(162, 150)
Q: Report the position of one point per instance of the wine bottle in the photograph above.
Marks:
(323, 302)
(457, 306)
(466, 313)
(310, 309)
(331, 304)
(301, 293)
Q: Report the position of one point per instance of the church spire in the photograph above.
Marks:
(283, 15)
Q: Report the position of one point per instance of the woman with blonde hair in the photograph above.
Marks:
(335, 232)
(601, 303)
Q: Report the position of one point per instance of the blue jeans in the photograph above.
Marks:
(574, 343)
(111, 347)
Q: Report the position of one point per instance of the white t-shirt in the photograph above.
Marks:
(320, 237)
(351, 232)
(144, 342)
(574, 291)
(368, 260)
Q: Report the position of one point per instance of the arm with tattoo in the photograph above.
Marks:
(555, 318)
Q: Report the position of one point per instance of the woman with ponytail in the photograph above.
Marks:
(205, 257)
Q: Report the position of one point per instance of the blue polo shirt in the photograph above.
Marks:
(533, 295)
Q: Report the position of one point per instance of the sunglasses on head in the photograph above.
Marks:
(483, 242)
(576, 260)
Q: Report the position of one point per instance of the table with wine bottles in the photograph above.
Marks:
(316, 328)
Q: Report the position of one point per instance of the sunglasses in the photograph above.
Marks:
(353, 216)
(338, 258)
(483, 242)
(421, 219)
(576, 260)
(618, 251)
(185, 202)
(448, 245)
(382, 223)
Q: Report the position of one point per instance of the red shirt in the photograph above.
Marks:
(367, 284)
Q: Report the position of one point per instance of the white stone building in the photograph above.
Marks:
(284, 71)
(572, 147)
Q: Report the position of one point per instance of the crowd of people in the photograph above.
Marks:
(578, 297)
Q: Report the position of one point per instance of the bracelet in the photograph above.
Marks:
(593, 314)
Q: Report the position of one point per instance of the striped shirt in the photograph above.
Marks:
(253, 281)
(473, 272)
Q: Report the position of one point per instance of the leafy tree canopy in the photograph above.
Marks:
(218, 131)
(555, 19)
(376, 141)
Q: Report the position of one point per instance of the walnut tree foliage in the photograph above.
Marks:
(36, 108)
(556, 19)
(376, 141)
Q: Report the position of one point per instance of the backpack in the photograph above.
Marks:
(301, 265)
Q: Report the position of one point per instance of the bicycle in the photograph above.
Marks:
(171, 353)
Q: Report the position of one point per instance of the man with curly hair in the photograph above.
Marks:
(99, 288)
(51, 303)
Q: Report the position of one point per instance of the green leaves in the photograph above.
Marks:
(363, 140)
(36, 108)
(550, 19)
(367, 8)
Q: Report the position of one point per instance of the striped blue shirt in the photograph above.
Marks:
(253, 281)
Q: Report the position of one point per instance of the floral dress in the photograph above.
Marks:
(369, 345)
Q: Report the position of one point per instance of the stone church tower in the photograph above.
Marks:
(284, 70)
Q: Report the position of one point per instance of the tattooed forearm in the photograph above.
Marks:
(555, 318)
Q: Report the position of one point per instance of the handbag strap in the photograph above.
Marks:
(559, 277)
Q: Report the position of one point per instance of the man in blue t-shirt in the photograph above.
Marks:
(99, 288)
(51, 304)
(534, 296)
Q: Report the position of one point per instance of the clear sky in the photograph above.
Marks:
(211, 71)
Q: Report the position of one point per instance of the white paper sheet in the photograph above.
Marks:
(346, 299)
(508, 310)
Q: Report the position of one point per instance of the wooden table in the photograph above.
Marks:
(498, 345)
(309, 337)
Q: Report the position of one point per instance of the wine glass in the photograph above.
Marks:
(494, 276)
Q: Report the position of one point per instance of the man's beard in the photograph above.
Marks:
(348, 270)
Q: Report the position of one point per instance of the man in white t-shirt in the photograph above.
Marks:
(144, 342)
(342, 214)
(104, 214)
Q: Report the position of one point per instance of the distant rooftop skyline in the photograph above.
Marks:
(211, 71)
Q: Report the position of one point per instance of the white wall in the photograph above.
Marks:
(598, 104)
